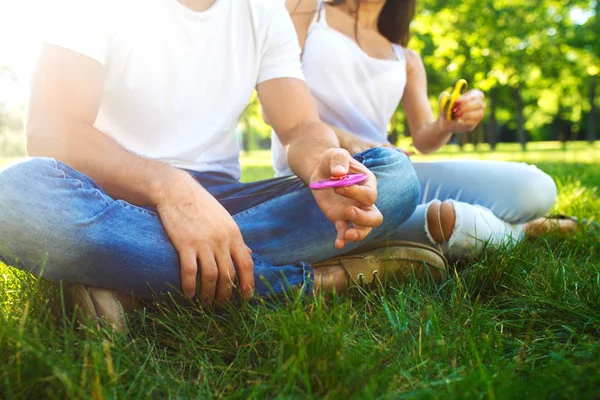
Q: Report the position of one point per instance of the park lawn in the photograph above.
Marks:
(523, 323)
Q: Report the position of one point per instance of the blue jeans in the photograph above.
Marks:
(58, 223)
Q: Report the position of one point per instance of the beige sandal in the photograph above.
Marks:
(394, 260)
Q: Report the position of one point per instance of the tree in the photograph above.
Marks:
(531, 58)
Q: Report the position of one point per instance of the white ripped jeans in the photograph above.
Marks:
(491, 200)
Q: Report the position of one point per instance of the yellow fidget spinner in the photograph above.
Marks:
(450, 96)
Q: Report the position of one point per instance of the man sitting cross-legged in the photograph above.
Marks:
(134, 181)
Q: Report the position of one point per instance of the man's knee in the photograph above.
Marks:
(21, 174)
(398, 187)
(25, 222)
(22, 184)
(385, 161)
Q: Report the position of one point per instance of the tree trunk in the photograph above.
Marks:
(559, 125)
(407, 131)
(480, 134)
(461, 140)
(493, 126)
(561, 129)
(521, 137)
(592, 135)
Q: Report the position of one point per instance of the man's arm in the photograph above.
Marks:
(64, 103)
(65, 99)
(312, 148)
(297, 124)
(314, 154)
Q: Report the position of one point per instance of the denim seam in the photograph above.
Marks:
(106, 201)
(256, 194)
(94, 190)
(365, 159)
(267, 191)
(136, 208)
(253, 209)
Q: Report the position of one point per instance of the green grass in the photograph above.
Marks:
(523, 323)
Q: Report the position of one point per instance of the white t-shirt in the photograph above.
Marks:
(177, 80)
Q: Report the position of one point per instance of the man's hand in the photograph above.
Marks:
(314, 155)
(206, 237)
(343, 206)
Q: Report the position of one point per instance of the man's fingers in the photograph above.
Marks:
(209, 276)
(339, 162)
(369, 217)
(189, 272)
(227, 275)
(245, 269)
(358, 233)
(342, 227)
(363, 194)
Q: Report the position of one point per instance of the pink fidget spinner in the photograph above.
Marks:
(336, 182)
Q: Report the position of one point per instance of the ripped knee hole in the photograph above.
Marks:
(441, 219)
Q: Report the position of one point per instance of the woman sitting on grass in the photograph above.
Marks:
(357, 65)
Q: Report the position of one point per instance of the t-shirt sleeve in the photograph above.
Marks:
(83, 26)
(281, 50)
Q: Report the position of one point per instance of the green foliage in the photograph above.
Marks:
(512, 48)
(521, 323)
(546, 53)
(255, 131)
(12, 140)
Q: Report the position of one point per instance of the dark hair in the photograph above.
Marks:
(394, 20)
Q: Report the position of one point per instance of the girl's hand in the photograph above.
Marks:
(468, 111)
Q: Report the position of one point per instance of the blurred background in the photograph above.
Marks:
(537, 61)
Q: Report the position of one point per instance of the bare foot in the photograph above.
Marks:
(543, 226)
(330, 279)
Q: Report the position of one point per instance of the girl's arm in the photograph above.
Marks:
(428, 133)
